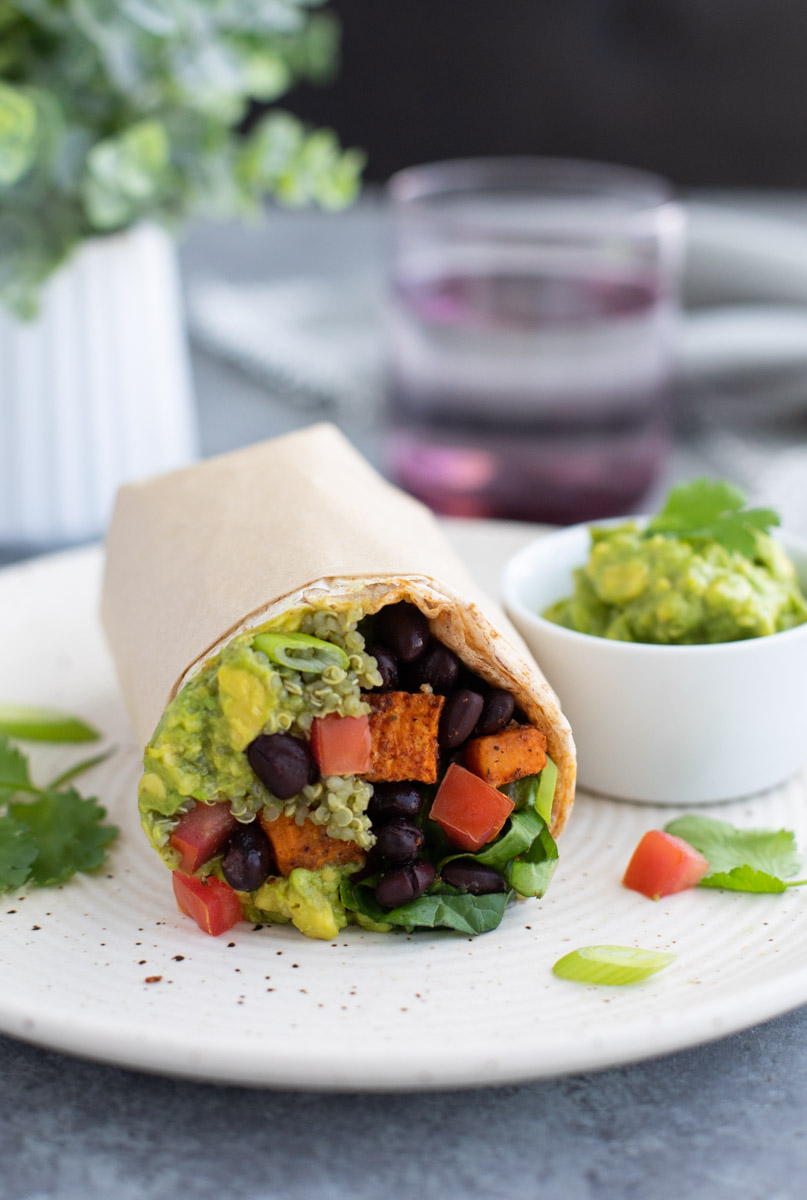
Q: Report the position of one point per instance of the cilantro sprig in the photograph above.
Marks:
(48, 833)
(713, 510)
(741, 860)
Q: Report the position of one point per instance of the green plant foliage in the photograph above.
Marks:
(112, 111)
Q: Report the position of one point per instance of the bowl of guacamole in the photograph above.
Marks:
(677, 644)
(642, 586)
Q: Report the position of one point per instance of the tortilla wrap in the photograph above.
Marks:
(197, 556)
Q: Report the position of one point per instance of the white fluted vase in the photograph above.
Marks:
(95, 391)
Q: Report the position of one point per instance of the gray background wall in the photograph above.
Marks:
(705, 91)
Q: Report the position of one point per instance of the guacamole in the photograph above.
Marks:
(639, 586)
(197, 751)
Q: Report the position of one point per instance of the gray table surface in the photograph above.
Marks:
(726, 1119)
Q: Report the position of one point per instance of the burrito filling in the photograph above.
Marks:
(332, 766)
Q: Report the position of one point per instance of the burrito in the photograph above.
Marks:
(338, 726)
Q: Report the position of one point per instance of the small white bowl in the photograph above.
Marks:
(665, 724)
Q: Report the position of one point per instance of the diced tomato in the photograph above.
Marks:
(469, 810)
(201, 833)
(213, 905)
(341, 745)
(663, 864)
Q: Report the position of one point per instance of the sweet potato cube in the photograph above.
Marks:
(502, 757)
(307, 845)
(403, 736)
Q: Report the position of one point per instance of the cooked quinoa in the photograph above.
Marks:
(196, 753)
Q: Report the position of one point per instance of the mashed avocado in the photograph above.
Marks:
(197, 751)
(309, 900)
(643, 587)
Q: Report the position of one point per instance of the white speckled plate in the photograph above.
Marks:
(270, 1007)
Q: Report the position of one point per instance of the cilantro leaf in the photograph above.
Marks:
(690, 505)
(745, 879)
(67, 833)
(713, 510)
(770, 851)
(17, 853)
(15, 775)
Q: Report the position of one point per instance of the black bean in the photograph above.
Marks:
(469, 876)
(390, 800)
(283, 762)
(460, 714)
(436, 666)
(399, 841)
(249, 860)
(497, 710)
(387, 665)
(404, 629)
(403, 884)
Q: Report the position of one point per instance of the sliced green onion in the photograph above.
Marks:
(611, 966)
(546, 791)
(43, 725)
(301, 652)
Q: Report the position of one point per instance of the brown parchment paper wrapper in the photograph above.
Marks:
(196, 556)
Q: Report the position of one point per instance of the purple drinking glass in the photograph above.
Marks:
(531, 314)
